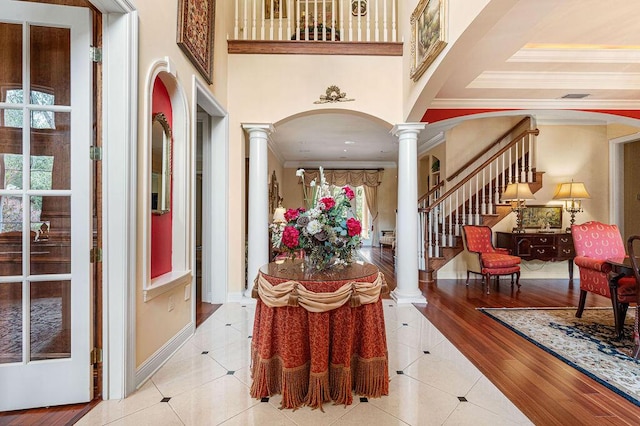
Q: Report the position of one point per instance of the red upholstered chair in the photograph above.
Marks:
(484, 259)
(636, 276)
(594, 243)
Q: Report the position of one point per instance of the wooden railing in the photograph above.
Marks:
(316, 20)
(476, 194)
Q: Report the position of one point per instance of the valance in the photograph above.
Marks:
(293, 293)
(353, 178)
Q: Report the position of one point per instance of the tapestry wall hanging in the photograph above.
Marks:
(195, 34)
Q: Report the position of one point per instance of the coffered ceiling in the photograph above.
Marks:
(545, 57)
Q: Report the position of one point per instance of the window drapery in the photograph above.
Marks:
(369, 179)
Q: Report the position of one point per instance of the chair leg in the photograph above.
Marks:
(488, 281)
(468, 273)
(581, 302)
(622, 314)
(518, 279)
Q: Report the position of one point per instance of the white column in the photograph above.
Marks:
(407, 290)
(258, 246)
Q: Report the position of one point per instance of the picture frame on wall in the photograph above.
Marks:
(279, 7)
(428, 35)
(540, 216)
(195, 34)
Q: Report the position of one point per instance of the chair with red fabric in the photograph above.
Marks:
(636, 276)
(484, 259)
(594, 243)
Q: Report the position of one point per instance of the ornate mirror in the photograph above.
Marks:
(160, 164)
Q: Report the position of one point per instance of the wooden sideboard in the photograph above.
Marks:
(549, 247)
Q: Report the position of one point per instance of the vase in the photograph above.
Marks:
(314, 264)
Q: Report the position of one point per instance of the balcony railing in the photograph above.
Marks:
(373, 21)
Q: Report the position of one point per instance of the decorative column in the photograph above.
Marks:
(407, 290)
(258, 246)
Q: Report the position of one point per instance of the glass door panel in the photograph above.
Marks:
(50, 85)
(10, 322)
(50, 150)
(50, 320)
(50, 235)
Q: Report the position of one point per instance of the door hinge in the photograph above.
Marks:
(95, 153)
(95, 255)
(95, 53)
(96, 355)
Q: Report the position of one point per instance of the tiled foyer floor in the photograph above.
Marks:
(207, 383)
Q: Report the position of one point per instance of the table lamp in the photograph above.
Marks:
(278, 214)
(572, 193)
(517, 194)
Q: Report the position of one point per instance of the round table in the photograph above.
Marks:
(315, 357)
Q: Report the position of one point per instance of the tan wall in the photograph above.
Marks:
(631, 191)
(155, 324)
(272, 88)
(424, 167)
(564, 153)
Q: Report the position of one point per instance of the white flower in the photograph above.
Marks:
(314, 227)
(313, 183)
(300, 172)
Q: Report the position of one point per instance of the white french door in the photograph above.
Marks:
(45, 205)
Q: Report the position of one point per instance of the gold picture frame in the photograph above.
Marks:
(195, 33)
(428, 34)
(539, 216)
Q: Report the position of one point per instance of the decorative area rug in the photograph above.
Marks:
(586, 343)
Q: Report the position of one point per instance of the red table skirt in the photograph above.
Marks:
(311, 358)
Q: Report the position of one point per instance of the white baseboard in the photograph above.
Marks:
(239, 297)
(162, 355)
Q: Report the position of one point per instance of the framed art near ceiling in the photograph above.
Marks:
(541, 216)
(195, 33)
(428, 34)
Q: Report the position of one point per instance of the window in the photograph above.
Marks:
(360, 207)
(11, 205)
(39, 119)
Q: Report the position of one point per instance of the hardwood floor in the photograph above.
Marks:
(546, 389)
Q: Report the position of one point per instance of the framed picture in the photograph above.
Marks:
(278, 6)
(317, 12)
(428, 31)
(195, 34)
(539, 216)
(358, 7)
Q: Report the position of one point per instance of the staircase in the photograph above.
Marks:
(471, 196)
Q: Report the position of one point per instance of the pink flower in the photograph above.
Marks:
(348, 192)
(328, 202)
(353, 227)
(290, 237)
(291, 214)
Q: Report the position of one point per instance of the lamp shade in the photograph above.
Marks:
(517, 191)
(278, 214)
(571, 191)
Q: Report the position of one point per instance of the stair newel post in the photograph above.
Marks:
(532, 156)
(496, 186)
(443, 228)
(491, 187)
(430, 233)
(457, 215)
(477, 203)
(529, 152)
(450, 233)
(483, 201)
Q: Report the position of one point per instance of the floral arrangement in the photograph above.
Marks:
(327, 230)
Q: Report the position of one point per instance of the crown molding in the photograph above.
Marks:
(501, 104)
(556, 80)
(431, 143)
(591, 56)
(341, 164)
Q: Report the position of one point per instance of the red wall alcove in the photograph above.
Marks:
(161, 225)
